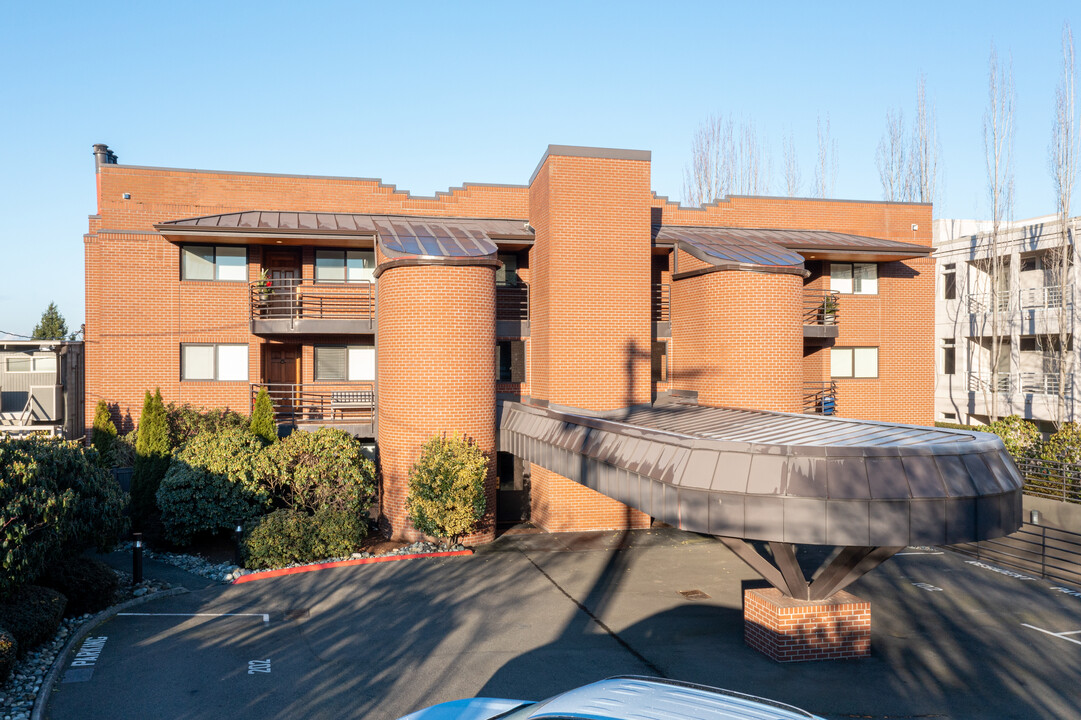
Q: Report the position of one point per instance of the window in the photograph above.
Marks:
(43, 363)
(344, 265)
(213, 362)
(508, 273)
(949, 282)
(510, 361)
(659, 361)
(341, 363)
(854, 278)
(227, 263)
(854, 362)
(949, 358)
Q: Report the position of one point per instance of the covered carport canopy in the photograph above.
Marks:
(782, 479)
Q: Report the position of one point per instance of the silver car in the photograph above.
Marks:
(623, 698)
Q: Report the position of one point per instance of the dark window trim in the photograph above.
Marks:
(215, 346)
(215, 279)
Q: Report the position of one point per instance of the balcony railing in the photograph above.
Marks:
(1031, 383)
(820, 398)
(512, 303)
(820, 307)
(303, 306)
(1048, 297)
(662, 302)
(345, 403)
(1051, 479)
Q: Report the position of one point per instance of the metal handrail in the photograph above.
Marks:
(1051, 479)
(1035, 383)
(289, 299)
(820, 307)
(512, 302)
(820, 398)
(1046, 297)
(322, 402)
(662, 302)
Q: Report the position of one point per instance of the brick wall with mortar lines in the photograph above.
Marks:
(559, 504)
(436, 357)
(793, 631)
(539, 298)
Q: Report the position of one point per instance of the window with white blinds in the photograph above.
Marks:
(213, 362)
(228, 263)
(854, 362)
(345, 363)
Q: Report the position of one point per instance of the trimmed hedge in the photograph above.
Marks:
(186, 422)
(285, 537)
(89, 585)
(55, 501)
(9, 654)
(317, 471)
(210, 485)
(32, 615)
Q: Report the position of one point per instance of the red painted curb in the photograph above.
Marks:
(263, 574)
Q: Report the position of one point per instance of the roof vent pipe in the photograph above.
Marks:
(103, 155)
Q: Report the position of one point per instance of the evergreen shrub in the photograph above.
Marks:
(89, 585)
(446, 497)
(32, 614)
(262, 417)
(285, 537)
(9, 654)
(315, 471)
(152, 456)
(103, 434)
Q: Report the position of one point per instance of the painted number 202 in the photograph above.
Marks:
(258, 666)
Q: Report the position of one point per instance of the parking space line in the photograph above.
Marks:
(1059, 635)
(265, 616)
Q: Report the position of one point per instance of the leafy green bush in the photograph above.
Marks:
(210, 485)
(32, 615)
(319, 470)
(262, 417)
(446, 495)
(1064, 446)
(89, 585)
(103, 434)
(55, 501)
(958, 426)
(185, 422)
(124, 450)
(9, 653)
(152, 456)
(1021, 438)
(285, 537)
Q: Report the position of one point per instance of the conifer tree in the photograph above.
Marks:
(262, 417)
(153, 454)
(103, 434)
(52, 325)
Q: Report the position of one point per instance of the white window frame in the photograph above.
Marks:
(853, 285)
(351, 271)
(217, 362)
(851, 352)
(353, 362)
(218, 266)
(34, 361)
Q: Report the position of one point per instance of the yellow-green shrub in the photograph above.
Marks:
(446, 495)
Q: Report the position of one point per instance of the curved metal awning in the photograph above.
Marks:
(780, 477)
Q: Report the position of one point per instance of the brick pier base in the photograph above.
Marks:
(790, 630)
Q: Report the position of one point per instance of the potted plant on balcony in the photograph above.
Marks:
(265, 287)
(828, 310)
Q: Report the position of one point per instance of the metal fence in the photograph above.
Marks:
(512, 302)
(293, 299)
(1051, 479)
(662, 302)
(820, 398)
(820, 307)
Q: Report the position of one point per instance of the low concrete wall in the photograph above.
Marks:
(1054, 513)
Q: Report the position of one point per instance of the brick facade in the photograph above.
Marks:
(789, 630)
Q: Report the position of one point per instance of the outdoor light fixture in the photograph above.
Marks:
(1035, 517)
(127, 196)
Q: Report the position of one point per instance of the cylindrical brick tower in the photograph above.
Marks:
(739, 339)
(436, 371)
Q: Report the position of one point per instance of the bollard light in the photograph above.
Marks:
(238, 556)
(1034, 517)
(137, 559)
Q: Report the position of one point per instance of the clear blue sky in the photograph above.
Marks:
(431, 95)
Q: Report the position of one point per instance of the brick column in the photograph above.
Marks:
(790, 630)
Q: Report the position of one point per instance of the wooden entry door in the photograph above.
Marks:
(282, 266)
(281, 369)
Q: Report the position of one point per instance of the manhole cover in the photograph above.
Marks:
(299, 614)
(694, 594)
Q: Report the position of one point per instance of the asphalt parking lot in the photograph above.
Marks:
(534, 615)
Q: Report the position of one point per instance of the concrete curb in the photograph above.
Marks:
(38, 713)
(264, 574)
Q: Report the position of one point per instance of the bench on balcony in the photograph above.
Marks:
(351, 400)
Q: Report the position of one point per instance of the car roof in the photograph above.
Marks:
(643, 698)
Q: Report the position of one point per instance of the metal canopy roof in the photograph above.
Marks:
(263, 221)
(776, 248)
(781, 477)
(445, 237)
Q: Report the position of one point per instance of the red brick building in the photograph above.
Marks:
(398, 317)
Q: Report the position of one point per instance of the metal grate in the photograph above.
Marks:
(694, 595)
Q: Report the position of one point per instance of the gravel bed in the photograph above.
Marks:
(18, 694)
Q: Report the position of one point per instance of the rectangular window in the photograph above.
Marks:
(340, 266)
(353, 364)
(213, 362)
(510, 361)
(227, 263)
(25, 364)
(659, 361)
(508, 273)
(18, 364)
(854, 278)
(949, 356)
(949, 286)
(854, 362)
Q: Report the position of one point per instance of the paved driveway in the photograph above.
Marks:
(534, 615)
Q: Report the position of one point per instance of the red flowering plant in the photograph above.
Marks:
(266, 285)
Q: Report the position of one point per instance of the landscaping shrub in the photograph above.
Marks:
(446, 487)
(185, 422)
(210, 485)
(55, 501)
(262, 417)
(88, 584)
(9, 653)
(103, 434)
(124, 450)
(152, 456)
(32, 614)
(1064, 446)
(958, 426)
(285, 537)
(1021, 438)
(316, 471)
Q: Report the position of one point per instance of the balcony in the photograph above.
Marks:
(820, 311)
(283, 307)
(1026, 383)
(349, 406)
(1048, 297)
(820, 398)
(662, 310)
(512, 310)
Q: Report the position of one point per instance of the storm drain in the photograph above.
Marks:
(694, 595)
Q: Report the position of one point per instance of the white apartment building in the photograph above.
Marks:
(1033, 297)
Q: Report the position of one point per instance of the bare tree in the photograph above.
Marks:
(892, 160)
(998, 150)
(726, 160)
(925, 147)
(1062, 157)
(826, 168)
(793, 178)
